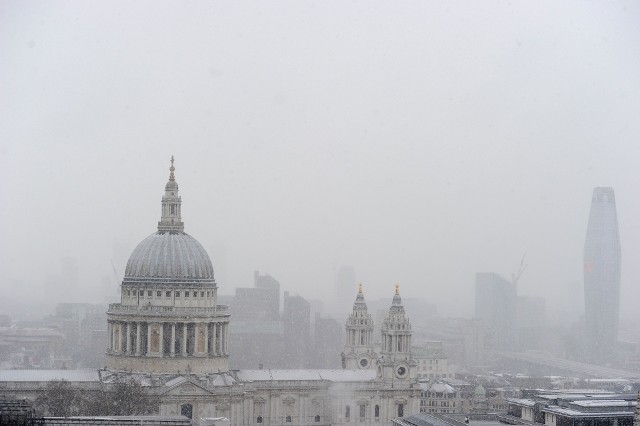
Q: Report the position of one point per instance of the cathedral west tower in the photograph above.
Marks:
(358, 349)
(395, 362)
(168, 319)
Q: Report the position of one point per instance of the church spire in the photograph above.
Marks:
(170, 220)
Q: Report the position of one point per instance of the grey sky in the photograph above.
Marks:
(419, 142)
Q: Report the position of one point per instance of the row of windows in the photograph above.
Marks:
(287, 419)
(434, 410)
(187, 293)
(363, 411)
(437, 395)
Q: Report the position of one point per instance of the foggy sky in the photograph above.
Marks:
(419, 142)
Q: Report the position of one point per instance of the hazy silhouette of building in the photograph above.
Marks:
(256, 332)
(297, 329)
(496, 304)
(345, 283)
(327, 342)
(258, 303)
(532, 319)
(602, 276)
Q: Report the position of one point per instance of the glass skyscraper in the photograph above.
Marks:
(602, 277)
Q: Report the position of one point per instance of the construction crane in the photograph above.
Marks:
(515, 277)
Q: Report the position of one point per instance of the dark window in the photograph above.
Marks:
(168, 294)
(186, 294)
(377, 411)
(317, 418)
(177, 294)
(288, 419)
(159, 293)
(347, 411)
(186, 410)
(202, 294)
(195, 294)
(400, 410)
(149, 293)
(259, 419)
(362, 410)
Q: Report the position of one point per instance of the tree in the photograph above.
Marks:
(60, 399)
(126, 397)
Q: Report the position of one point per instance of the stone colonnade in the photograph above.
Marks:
(168, 339)
(396, 343)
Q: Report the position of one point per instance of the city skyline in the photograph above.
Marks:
(418, 150)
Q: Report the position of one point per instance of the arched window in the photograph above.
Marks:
(259, 419)
(400, 410)
(377, 411)
(317, 418)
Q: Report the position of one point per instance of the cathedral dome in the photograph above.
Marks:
(169, 256)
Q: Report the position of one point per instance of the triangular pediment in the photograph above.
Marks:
(186, 387)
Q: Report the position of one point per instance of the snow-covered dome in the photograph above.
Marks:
(169, 256)
(440, 387)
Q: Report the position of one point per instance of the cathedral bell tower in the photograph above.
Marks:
(395, 362)
(358, 349)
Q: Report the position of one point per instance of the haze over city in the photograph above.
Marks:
(418, 142)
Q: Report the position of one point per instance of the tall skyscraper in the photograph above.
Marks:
(602, 277)
(497, 304)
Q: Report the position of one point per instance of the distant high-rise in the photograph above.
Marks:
(602, 276)
(496, 304)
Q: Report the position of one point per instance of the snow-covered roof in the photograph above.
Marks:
(47, 375)
(568, 412)
(605, 403)
(441, 388)
(523, 402)
(293, 375)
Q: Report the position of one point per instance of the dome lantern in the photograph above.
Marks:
(171, 220)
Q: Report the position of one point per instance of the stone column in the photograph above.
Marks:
(110, 336)
(138, 338)
(128, 338)
(224, 334)
(148, 338)
(173, 340)
(206, 338)
(214, 339)
(218, 338)
(161, 346)
(117, 337)
(184, 339)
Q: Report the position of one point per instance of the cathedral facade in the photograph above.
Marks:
(169, 333)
